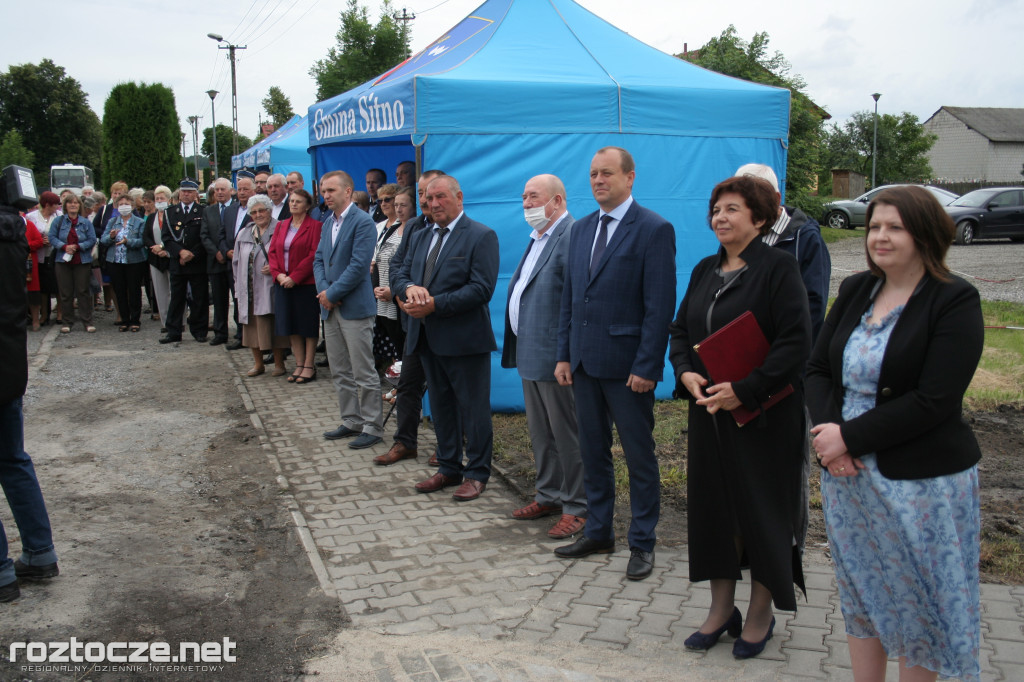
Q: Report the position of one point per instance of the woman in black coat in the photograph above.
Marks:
(899, 488)
(743, 482)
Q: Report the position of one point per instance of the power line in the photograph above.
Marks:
(294, 2)
(285, 31)
(253, 29)
(424, 11)
(243, 17)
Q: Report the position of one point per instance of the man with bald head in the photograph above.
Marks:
(533, 303)
(445, 282)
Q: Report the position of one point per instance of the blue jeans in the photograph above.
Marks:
(18, 478)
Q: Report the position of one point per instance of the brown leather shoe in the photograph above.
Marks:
(469, 490)
(433, 459)
(397, 453)
(567, 526)
(535, 510)
(436, 482)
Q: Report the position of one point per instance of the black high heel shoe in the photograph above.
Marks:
(306, 380)
(741, 648)
(699, 641)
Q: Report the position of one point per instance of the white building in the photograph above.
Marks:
(977, 144)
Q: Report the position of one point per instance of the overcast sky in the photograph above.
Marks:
(920, 56)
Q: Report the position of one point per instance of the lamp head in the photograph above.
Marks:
(215, 36)
(876, 95)
(212, 94)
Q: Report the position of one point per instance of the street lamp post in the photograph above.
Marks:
(234, 88)
(194, 122)
(874, 143)
(184, 167)
(213, 117)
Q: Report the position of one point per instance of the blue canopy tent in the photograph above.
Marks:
(251, 158)
(522, 87)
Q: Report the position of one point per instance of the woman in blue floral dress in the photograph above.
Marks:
(899, 483)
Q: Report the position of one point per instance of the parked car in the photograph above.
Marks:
(849, 213)
(988, 213)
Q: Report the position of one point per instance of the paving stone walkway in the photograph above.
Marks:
(420, 570)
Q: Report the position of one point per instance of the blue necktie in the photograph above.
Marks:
(602, 242)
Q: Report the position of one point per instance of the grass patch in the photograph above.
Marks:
(832, 235)
(1003, 557)
(999, 379)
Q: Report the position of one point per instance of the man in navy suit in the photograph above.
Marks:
(342, 271)
(182, 237)
(446, 282)
(532, 312)
(618, 300)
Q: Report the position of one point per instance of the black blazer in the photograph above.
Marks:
(917, 427)
(160, 263)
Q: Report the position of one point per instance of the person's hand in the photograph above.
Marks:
(828, 443)
(382, 293)
(845, 465)
(113, 234)
(420, 310)
(220, 257)
(321, 297)
(287, 282)
(720, 397)
(46, 239)
(162, 253)
(693, 383)
(563, 374)
(69, 248)
(156, 249)
(639, 384)
(184, 256)
(265, 269)
(231, 254)
(416, 295)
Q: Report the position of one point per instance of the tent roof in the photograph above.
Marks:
(547, 66)
(247, 159)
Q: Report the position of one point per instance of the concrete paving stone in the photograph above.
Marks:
(1006, 610)
(369, 617)
(583, 615)
(410, 627)
(395, 589)
(447, 668)
(474, 554)
(570, 632)
(608, 577)
(666, 603)
(1006, 651)
(699, 597)
(586, 568)
(444, 593)
(572, 584)
(374, 592)
(1010, 672)
(514, 613)
(596, 596)
(654, 624)
(468, 617)
(314, 485)
(384, 675)
(413, 662)
(370, 538)
(467, 603)
(340, 571)
(999, 628)
(530, 596)
(540, 618)
(378, 578)
(804, 638)
(463, 536)
(807, 616)
(331, 530)
(526, 634)
(394, 564)
(991, 593)
(481, 672)
(637, 589)
(625, 609)
(819, 581)
(524, 582)
(818, 597)
(556, 601)
(647, 644)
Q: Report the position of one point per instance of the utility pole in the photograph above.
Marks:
(184, 168)
(874, 143)
(194, 121)
(234, 87)
(213, 113)
(405, 18)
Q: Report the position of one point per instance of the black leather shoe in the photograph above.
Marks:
(26, 572)
(171, 339)
(218, 340)
(341, 432)
(640, 564)
(323, 363)
(234, 345)
(585, 547)
(200, 339)
(700, 641)
(9, 592)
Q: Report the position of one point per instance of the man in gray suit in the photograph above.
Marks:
(532, 310)
(342, 271)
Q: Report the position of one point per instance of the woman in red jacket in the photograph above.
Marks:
(296, 310)
(35, 299)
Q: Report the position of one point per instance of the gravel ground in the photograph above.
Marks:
(996, 268)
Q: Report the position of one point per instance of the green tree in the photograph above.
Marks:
(14, 152)
(363, 50)
(278, 106)
(223, 148)
(903, 146)
(731, 55)
(51, 112)
(141, 134)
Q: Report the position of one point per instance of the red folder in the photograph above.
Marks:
(732, 353)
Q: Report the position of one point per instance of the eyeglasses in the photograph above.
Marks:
(386, 200)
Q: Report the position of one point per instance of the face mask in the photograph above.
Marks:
(535, 217)
(161, 205)
(124, 209)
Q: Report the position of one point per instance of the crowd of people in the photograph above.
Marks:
(876, 386)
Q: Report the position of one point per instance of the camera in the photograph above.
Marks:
(18, 188)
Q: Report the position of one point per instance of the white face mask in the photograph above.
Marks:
(535, 217)
(161, 205)
(124, 209)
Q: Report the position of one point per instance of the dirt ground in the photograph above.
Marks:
(167, 518)
(1000, 434)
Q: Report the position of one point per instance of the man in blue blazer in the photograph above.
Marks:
(341, 268)
(446, 282)
(218, 264)
(531, 315)
(618, 300)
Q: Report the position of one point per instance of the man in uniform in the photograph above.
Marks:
(182, 238)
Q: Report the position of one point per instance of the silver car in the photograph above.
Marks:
(849, 213)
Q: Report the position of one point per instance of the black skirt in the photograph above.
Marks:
(296, 311)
